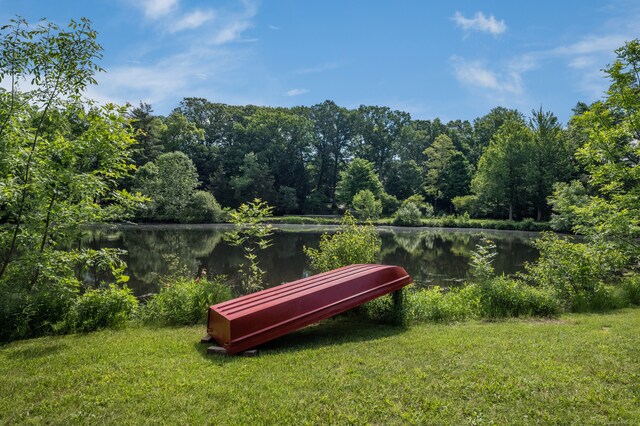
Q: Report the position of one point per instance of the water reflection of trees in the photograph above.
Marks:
(149, 251)
(431, 256)
(442, 256)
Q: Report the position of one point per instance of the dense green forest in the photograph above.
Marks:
(314, 160)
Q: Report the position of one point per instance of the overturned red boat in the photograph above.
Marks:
(251, 320)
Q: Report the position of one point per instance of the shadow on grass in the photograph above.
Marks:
(34, 352)
(330, 332)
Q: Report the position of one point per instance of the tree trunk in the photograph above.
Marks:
(510, 211)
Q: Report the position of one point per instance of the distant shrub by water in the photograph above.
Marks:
(111, 307)
(185, 301)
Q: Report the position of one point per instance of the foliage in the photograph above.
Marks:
(110, 307)
(565, 199)
(203, 208)
(359, 175)
(351, 244)
(611, 155)
(448, 171)
(577, 272)
(366, 206)
(481, 262)
(171, 182)
(631, 285)
(389, 204)
(252, 234)
(465, 204)
(500, 182)
(435, 304)
(61, 162)
(408, 215)
(426, 209)
(503, 297)
(185, 301)
(550, 159)
(254, 180)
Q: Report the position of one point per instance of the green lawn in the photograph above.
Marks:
(581, 369)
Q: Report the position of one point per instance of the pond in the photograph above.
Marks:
(432, 256)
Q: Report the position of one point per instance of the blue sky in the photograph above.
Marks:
(447, 59)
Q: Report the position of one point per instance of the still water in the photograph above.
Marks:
(432, 256)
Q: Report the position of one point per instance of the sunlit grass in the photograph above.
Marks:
(580, 369)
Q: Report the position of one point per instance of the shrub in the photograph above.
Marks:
(408, 215)
(203, 208)
(435, 304)
(418, 200)
(631, 285)
(351, 244)
(110, 307)
(576, 271)
(389, 204)
(26, 314)
(185, 301)
(366, 206)
(503, 297)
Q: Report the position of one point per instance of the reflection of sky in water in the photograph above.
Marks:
(432, 256)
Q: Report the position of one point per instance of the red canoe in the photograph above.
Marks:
(251, 320)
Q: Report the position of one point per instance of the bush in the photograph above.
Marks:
(631, 285)
(418, 200)
(351, 244)
(408, 215)
(435, 304)
(388, 309)
(366, 206)
(503, 297)
(389, 204)
(34, 313)
(111, 307)
(576, 272)
(203, 208)
(185, 301)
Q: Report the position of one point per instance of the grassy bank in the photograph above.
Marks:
(580, 369)
(434, 222)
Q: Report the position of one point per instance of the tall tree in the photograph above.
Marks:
(485, 127)
(60, 160)
(358, 176)
(500, 181)
(611, 156)
(381, 130)
(334, 129)
(550, 160)
(447, 171)
(148, 130)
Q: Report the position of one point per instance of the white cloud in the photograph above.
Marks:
(274, 27)
(231, 31)
(480, 22)
(318, 69)
(192, 20)
(154, 9)
(296, 92)
(476, 74)
(592, 44)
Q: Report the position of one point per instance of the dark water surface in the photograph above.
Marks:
(432, 256)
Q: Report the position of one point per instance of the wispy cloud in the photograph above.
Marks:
(154, 9)
(163, 74)
(477, 74)
(318, 69)
(192, 20)
(297, 92)
(274, 27)
(480, 22)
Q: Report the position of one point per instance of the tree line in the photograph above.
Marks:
(314, 160)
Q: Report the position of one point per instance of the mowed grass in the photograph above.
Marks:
(580, 369)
